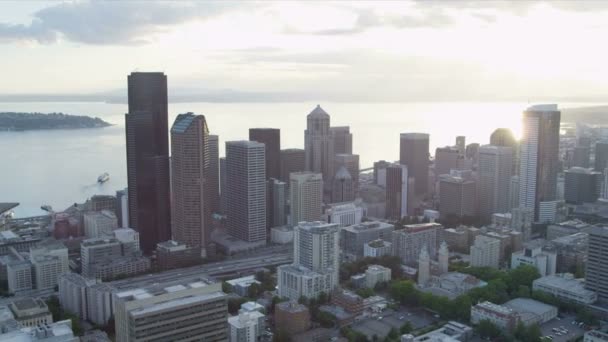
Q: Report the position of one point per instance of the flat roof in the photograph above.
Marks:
(6, 206)
(175, 303)
(523, 305)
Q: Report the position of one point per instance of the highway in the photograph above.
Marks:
(263, 257)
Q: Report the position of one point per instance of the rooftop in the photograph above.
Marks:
(190, 300)
(292, 307)
(153, 288)
(318, 112)
(542, 108)
(367, 226)
(527, 305)
(564, 282)
(6, 206)
(183, 121)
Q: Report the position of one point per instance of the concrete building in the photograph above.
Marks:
(73, 293)
(596, 274)
(246, 190)
(319, 144)
(502, 316)
(316, 262)
(531, 311)
(271, 138)
(494, 171)
(122, 207)
(223, 187)
(343, 139)
(31, 312)
(376, 274)
(213, 175)
(246, 327)
(565, 287)
(446, 159)
(566, 228)
(99, 303)
(147, 130)
(49, 260)
(539, 150)
(292, 317)
(397, 192)
(571, 252)
(595, 336)
(351, 163)
(178, 311)
(99, 223)
(414, 153)
(377, 248)
(172, 254)
(190, 165)
(292, 160)
(353, 238)
(601, 155)
(109, 257)
(241, 285)
(450, 332)
(53, 332)
(345, 214)
(452, 284)
(342, 186)
(380, 172)
(281, 235)
(485, 252)
(545, 261)
(459, 239)
(582, 185)
(276, 208)
(409, 241)
(306, 194)
(19, 276)
(457, 196)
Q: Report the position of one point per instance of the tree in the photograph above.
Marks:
(406, 328)
(54, 308)
(487, 329)
(234, 304)
(530, 333)
(365, 292)
(523, 291)
(280, 335)
(522, 275)
(254, 290)
(326, 319)
(405, 292)
(226, 288)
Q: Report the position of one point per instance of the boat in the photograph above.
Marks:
(47, 208)
(103, 178)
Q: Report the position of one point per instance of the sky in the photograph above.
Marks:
(291, 51)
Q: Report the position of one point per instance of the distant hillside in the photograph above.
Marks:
(12, 121)
(591, 115)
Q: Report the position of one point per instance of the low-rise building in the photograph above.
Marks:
(31, 312)
(172, 254)
(450, 332)
(596, 336)
(452, 284)
(73, 293)
(557, 230)
(501, 316)
(545, 261)
(377, 274)
(348, 300)
(353, 238)
(281, 235)
(345, 214)
(377, 248)
(240, 286)
(53, 332)
(297, 281)
(99, 223)
(292, 317)
(531, 311)
(565, 287)
(19, 276)
(485, 252)
(246, 326)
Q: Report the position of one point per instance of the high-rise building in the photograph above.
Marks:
(343, 139)
(409, 241)
(353, 238)
(457, 196)
(306, 194)
(318, 144)
(99, 223)
(292, 160)
(396, 191)
(580, 156)
(212, 177)
(494, 178)
(414, 153)
(471, 152)
(191, 212)
(446, 159)
(380, 172)
(276, 210)
(122, 207)
(601, 156)
(146, 126)
(316, 261)
(582, 185)
(539, 156)
(223, 186)
(177, 311)
(485, 252)
(503, 137)
(271, 138)
(461, 144)
(351, 163)
(343, 186)
(596, 274)
(246, 326)
(514, 192)
(246, 190)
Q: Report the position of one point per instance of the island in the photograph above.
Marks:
(14, 121)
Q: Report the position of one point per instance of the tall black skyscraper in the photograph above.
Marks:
(148, 158)
(271, 137)
(414, 153)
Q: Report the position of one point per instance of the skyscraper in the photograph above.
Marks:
(446, 159)
(494, 179)
(503, 137)
(343, 139)
(539, 157)
(190, 166)
(596, 274)
(223, 186)
(276, 211)
(342, 187)
(318, 144)
(146, 126)
(457, 195)
(292, 160)
(306, 194)
(396, 191)
(461, 144)
(271, 137)
(582, 185)
(213, 176)
(601, 156)
(414, 153)
(351, 163)
(246, 190)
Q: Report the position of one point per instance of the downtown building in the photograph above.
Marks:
(353, 238)
(306, 197)
(582, 185)
(494, 172)
(539, 152)
(146, 126)
(246, 190)
(409, 241)
(596, 273)
(343, 139)
(292, 160)
(319, 144)
(190, 164)
(271, 138)
(316, 262)
(414, 153)
(457, 195)
(397, 191)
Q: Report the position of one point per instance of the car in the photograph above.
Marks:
(380, 318)
(401, 317)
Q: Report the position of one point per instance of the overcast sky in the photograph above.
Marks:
(394, 51)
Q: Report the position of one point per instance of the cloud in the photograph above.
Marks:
(108, 22)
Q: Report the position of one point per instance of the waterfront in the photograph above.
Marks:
(60, 167)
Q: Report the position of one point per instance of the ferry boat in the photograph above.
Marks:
(103, 178)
